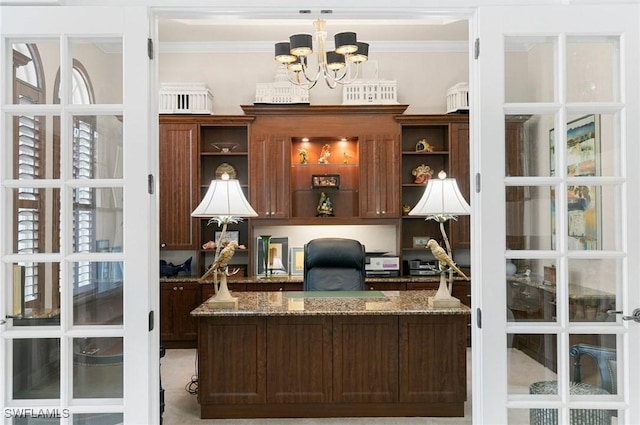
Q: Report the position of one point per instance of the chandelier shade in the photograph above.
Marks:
(339, 66)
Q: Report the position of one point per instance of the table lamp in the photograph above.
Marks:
(223, 203)
(442, 201)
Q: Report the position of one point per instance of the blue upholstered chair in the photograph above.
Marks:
(605, 358)
(334, 264)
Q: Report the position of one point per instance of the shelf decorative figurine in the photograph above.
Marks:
(325, 153)
(223, 203)
(422, 173)
(325, 206)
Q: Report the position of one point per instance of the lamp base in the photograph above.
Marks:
(451, 302)
(223, 299)
(443, 298)
(230, 304)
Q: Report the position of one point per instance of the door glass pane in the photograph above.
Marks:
(32, 62)
(97, 147)
(36, 142)
(593, 286)
(592, 71)
(36, 220)
(97, 367)
(593, 363)
(527, 145)
(97, 224)
(590, 225)
(529, 69)
(593, 145)
(98, 418)
(104, 55)
(531, 291)
(530, 217)
(35, 289)
(97, 290)
(36, 368)
(531, 362)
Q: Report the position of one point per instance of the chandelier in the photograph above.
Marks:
(339, 66)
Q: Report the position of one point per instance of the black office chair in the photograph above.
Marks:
(334, 264)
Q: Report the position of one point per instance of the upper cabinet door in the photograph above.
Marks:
(269, 164)
(179, 189)
(379, 177)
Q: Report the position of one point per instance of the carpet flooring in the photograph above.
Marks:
(178, 370)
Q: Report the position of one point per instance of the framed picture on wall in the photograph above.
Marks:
(297, 261)
(584, 203)
(278, 256)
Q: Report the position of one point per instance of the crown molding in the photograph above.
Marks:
(267, 46)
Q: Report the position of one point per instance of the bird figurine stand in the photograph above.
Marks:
(443, 298)
(222, 300)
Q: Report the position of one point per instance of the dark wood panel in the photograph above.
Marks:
(300, 351)
(232, 360)
(433, 358)
(178, 180)
(460, 229)
(365, 360)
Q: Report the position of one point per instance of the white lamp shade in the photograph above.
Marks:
(224, 198)
(441, 197)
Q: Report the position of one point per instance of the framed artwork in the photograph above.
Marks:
(297, 261)
(278, 256)
(584, 203)
(231, 235)
(325, 180)
(420, 241)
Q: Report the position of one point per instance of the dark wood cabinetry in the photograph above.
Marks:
(194, 150)
(177, 328)
(332, 365)
(270, 175)
(177, 180)
(440, 142)
(380, 177)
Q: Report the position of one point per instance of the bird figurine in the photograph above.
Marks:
(443, 258)
(223, 259)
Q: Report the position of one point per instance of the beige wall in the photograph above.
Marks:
(422, 78)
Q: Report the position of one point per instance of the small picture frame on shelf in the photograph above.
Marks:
(297, 261)
(231, 235)
(323, 181)
(420, 241)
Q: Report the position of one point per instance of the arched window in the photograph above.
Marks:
(84, 160)
(29, 88)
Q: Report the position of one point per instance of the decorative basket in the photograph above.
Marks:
(185, 98)
(458, 98)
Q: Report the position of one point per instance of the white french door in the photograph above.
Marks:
(75, 217)
(555, 115)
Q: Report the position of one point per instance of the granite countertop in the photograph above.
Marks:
(349, 303)
(298, 279)
(575, 291)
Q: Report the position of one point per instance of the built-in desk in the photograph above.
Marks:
(338, 354)
(532, 300)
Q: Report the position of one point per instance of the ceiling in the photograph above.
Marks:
(259, 30)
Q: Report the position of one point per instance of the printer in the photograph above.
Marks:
(380, 265)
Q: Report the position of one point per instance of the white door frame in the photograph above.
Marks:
(140, 403)
(491, 398)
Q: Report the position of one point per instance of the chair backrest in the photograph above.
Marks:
(334, 264)
(605, 358)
